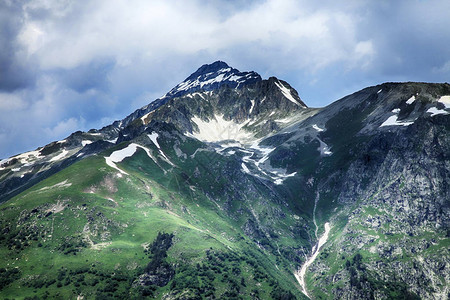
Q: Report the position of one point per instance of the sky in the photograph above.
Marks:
(68, 65)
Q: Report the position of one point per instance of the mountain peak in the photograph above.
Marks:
(213, 67)
(212, 76)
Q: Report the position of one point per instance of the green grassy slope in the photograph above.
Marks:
(85, 231)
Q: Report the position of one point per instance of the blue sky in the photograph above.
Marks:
(68, 65)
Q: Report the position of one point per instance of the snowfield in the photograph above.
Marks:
(445, 100)
(218, 129)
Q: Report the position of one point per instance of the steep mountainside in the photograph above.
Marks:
(223, 187)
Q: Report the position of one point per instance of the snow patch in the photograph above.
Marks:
(15, 169)
(60, 156)
(281, 178)
(119, 155)
(380, 91)
(411, 100)
(244, 167)
(221, 76)
(253, 106)
(146, 116)
(264, 150)
(85, 142)
(396, 110)
(392, 121)
(153, 137)
(434, 111)
(218, 129)
(317, 128)
(113, 141)
(287, 93)
(445, 100)
(324, 149)
(26, 157)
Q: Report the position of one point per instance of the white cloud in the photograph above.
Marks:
(88, 62)
(151, 29)
(11, 102)
(65, 127)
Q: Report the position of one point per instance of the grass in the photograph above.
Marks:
(104, 221)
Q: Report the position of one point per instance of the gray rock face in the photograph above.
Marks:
(390, 184)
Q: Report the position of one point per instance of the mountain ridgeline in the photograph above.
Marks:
(231, 187)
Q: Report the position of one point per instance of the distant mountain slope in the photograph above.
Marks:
(221, 189)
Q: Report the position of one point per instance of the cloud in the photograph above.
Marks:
(69, 125)
(83, 63)
(14, 73)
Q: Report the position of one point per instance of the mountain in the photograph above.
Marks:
(230, 187)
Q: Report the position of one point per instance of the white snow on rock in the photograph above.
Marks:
(153, 137)
(411, 100)
(300, 275)
(146, 116)
(253, 106)
(324, 149)
(60, 156)
(435, 111)
(113, 141)
(244, 167)
(218, 129)
(85, 142)
(445, 100)
(282, 177)
(221, 76)
(317, 128)
(287, 93)
(119, 155)
(15, 169)
(27, 156)
(264, 150)
(392, 121)
(379, 91)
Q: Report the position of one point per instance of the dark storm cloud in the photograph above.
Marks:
(411, 37)
(14, 72)
(93, 75)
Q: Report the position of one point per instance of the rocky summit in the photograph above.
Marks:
(231, 187)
